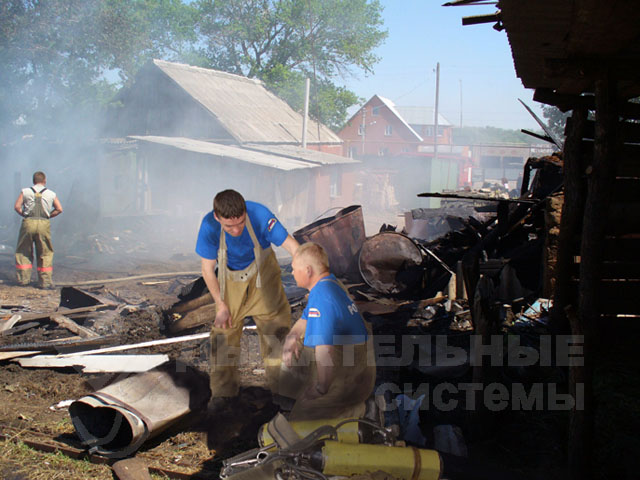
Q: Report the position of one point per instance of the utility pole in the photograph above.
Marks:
(306, 113)
(435, 128)
(460, 103)
(364, 126)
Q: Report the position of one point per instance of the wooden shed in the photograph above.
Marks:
(583, 57)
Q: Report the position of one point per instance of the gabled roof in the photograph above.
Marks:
(391, 106)
(422, 116)
(244, 107)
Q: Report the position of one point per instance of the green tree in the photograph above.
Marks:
(484, 135)
(556, 120)
(133, 32)
(63, 59)
(283, 41)
(328, 101)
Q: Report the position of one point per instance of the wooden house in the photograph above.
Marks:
(188, 132)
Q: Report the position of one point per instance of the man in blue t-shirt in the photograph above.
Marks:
(332, 332)
(236, 237)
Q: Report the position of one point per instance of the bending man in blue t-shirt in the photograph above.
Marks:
(248, 284)
(337, 341)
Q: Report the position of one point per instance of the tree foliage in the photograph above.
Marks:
(251, 37)
(64, 59)
(284, 41)
(556, 119)
(58, 55)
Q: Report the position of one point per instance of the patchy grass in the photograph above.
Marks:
(22, 461)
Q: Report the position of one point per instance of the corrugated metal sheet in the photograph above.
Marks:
(391, 106)
(305, 154)
(244, 106)
(422, 116)
(235, 153)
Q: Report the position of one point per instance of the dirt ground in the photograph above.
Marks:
(28, 397)
(530, 443)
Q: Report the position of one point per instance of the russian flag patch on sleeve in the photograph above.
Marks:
(272, 223)
(314, 313)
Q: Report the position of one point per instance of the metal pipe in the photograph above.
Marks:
(306, 113)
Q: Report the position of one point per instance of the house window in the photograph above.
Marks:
(353, 151)
(375, 111)
(335, 184)
(429, 131)
(388, 130)
(383, 152)
(405, 149)
(361, 129)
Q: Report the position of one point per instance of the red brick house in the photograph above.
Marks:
(397, 146)
(378, 129)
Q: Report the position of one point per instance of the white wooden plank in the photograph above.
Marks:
(9, 323)
(97, 363)
(17, 354)
(151, 343)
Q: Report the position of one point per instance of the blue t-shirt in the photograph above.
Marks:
(240, 254)
(332, 317)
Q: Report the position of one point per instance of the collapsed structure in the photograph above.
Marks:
(484, 303)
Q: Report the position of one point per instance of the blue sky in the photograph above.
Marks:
(476, 57)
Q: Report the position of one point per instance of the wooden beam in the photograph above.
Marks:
(43, 316)
(20, 328)
(563, 101)
(590, 67)
(629, 132)
(544, 138)
(478, 19)
(457, 3)
(628, 164)
(72, 326)
(624, 270)
(16, 354)
(194, 318)
(599, 191)
(9, 322)
(571, 217)
(566, 102)
(194, 303)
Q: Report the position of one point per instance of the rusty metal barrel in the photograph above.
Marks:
(342, 237)
(391, 263)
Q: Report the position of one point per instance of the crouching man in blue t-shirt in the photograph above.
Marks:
(237, 236)
(330, 346)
